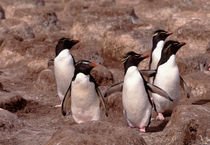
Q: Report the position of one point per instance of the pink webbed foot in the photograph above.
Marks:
(160, 116)
(130, 126)
(58, 106)
(142, 129)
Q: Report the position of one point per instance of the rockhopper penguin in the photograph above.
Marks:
(82, 97)
(167, 77)
(63, 66)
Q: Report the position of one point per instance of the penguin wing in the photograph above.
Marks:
(66, 105)
(111, 90)
(155, 89)
(185, 86)
(102, 100)
(148, 73)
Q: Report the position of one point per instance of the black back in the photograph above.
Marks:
(171, 47)
(64, 43)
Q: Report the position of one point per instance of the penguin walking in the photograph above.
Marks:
(167, 77)
(82, 96)
(158, 41)
(63, 66)
(137, 106)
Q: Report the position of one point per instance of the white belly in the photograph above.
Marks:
(85, 104)
(64, 71)
(135, 98)
(168, 79)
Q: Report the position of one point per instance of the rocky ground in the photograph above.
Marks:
(29, 32)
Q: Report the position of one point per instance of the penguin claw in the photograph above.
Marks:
(58, 106)
(160, 116)
(142, 129)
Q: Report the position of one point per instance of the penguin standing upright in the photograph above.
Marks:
(158, 41)
(167, 78)
(137, 106)
(82, 95)
(63, 66)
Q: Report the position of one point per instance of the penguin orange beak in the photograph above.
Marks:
(145, 55)
(182, 43)
(93, 64)
(76, 41)
(169, 33)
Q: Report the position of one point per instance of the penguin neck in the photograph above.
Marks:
(65, 55)
(131, 70)
(157, 43)
(169, 60)
(158, 47)
(81, 77)
(172, 60)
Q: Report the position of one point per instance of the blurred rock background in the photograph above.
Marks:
(107, 29)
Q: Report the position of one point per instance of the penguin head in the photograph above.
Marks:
(170, 48)
(133, 59)
(65, 43)
(160, 35)
(84, 66)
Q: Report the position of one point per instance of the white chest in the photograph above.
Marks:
(156, 54)
(64, 71)
(63, 61)
(134, 92)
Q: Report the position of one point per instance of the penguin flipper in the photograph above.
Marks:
(148, 73)
(109, 90)
(155, 89)
(185, 86)
(102, 100)
(66, 105)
